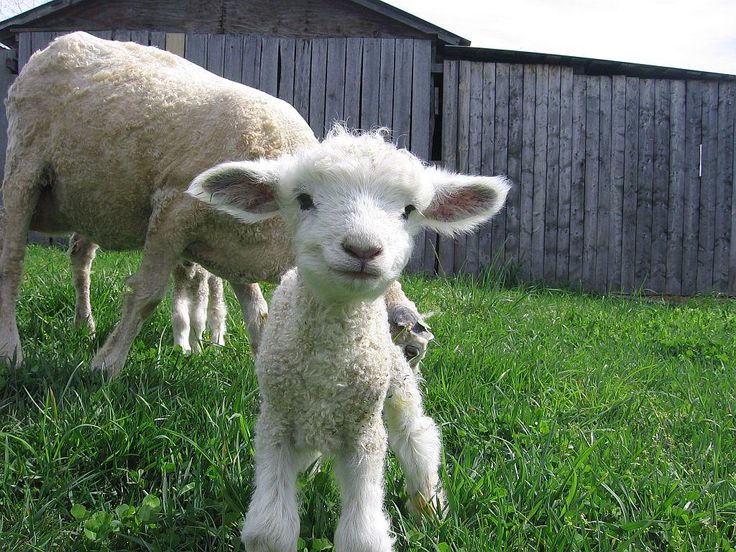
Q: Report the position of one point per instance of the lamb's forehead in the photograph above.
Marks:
(366, 161)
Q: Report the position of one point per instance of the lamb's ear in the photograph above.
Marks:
(248, 190)
(462, 202)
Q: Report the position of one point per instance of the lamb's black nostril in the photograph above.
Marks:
(411, 351)
(360, 252)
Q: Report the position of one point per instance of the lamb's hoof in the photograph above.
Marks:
(85, 323)
(11, 353)
(256, 541)
(106, 366)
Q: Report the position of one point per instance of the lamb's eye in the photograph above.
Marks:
(407, 211)
(305, 202)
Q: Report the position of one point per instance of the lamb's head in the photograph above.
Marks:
(352, 203)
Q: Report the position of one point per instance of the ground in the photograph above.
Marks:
(569, 421)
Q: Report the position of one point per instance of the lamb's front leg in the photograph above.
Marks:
(363, 524)
(272, 521)
(415, 440)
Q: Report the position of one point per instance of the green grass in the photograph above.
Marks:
(569, 421)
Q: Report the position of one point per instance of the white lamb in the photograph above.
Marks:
(328, 372)
(103, 139)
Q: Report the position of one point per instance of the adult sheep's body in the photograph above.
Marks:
(103, 139)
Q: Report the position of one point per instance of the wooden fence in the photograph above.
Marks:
(620, 183)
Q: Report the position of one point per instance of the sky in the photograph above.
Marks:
(689, 34)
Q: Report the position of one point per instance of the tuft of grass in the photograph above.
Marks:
(569, 421)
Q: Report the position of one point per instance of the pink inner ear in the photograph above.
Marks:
(460, 204)
(254, 197)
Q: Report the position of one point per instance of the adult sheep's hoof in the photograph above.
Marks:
(11, 353)
(85, 323)
(106, 365)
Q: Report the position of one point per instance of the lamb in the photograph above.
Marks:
(103, 139)
(328, 373)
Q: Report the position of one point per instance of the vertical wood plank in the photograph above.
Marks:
(604, 186)
(140, 37)
(121, 35)
(618, 149)
(24, 49)
(302, 72)
(592, 137)
(386, 83)
(707, 211)
(449, 152)
(6, 80)
(540, 171)
(463, 139)
(676, 194)
(175, 43)
(577, 188)
(353, 64)
(693, 140)
(287, 53)
(269, 65)
(551, 221)
(232, 66)
(107, 35)
(215, 54)
(251, 72)
(317, 86)
(195, 49)
(631, 162)
(335, 81)
(500, 158)
(565, 177)
(724, 184)
(527, 172)
(475, 137)
(402, 93)
(158, 39)
(488, 129)
(513, 201)
(644, 183)
(660, 189)
(370, 83)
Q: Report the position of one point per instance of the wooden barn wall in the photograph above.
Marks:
(366, 82)
(619, 183)
(6, 79)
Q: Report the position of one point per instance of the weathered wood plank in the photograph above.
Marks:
(551, 207)
(693, 132)
(335, 81)
(463, 139)
(645, 176)
(618, 148)
(592, 142)
(402, 93)
(232, 67)
(540, 171)
(604, 185)
(269, 65)
(660, 189)
(577, 189)
(121, 35)
(195, 49)
(500, 159)
(353, 64)
(251, 73)
(707, 211)
(140, 37)
(24, 49)
(421, 124)
(386, 83)
(302, 71)
(526, 182)
(370, 84)
(562, 261)
(676, 194)
(445, 246)
(513, 201)
(488, 126)
(317, 87)
(475, 142)
(215, 54)
(724, 185)
(287, 53)
(631, 162)
(157, 39)
(176, 43)
(6, 80)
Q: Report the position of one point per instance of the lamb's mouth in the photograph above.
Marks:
(357, 274)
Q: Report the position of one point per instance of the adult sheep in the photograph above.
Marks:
(103, 139)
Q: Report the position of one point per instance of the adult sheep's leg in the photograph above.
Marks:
(363, 525)
(19, 206)
(180, 307)
(415, 440)
(216, 310)
(165, 242)
(255, 311)
(272, 521)
(82, 252)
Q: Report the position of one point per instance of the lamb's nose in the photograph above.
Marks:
(361, 252)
